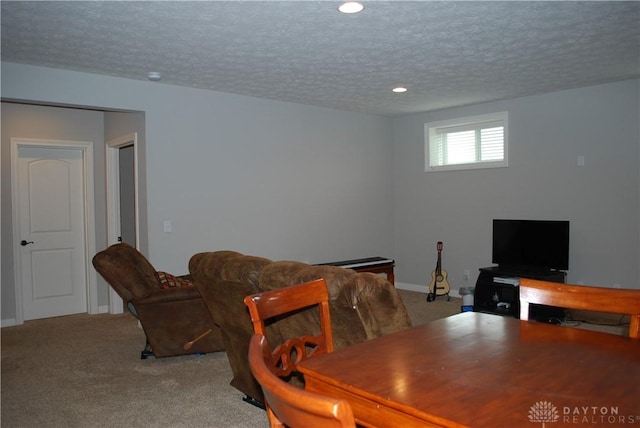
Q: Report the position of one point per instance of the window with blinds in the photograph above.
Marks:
(467, 143)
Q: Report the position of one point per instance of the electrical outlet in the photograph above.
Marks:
(167, 226)
(466, 275)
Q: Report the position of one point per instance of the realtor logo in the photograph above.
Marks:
(543, 411)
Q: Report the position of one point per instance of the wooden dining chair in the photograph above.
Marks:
(275, 303)
(599, 299)
(288, 406)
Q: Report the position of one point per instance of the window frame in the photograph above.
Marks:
(471, 122)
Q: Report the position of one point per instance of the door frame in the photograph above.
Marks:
(91, 277)
(112, 148)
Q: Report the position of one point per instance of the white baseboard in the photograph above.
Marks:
(412, 287)
(421, 288)
(11, 322)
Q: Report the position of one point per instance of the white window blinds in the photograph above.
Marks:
(476, 142)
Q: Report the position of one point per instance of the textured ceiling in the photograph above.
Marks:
(446, 53)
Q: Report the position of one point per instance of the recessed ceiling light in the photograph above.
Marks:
(351, 7)
(154, 76)
(399, 89)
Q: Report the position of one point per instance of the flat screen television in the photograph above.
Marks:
(531, 244)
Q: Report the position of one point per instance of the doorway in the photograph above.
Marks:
(122, 199)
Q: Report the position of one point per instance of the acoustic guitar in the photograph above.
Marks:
(439, 285)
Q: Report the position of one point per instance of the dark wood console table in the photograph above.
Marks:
(369, 264)
(497, 292)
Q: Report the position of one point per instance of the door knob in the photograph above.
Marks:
(23, 242)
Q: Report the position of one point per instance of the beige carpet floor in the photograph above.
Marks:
(85, 371)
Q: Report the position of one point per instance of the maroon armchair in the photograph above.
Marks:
(173, 315)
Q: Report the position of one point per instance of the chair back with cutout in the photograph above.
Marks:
(600, 299)
(289, 300)
(288, 406)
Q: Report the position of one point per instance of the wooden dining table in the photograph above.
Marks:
(482, 370)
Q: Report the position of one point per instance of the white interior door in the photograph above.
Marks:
(52, 225)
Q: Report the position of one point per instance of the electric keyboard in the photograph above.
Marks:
(357, 263)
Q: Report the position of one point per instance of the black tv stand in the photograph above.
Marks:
(497, 292)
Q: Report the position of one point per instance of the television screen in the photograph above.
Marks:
(531, 244)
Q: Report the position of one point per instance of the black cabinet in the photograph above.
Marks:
(497, 292)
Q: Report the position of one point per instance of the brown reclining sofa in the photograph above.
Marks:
(363, 305)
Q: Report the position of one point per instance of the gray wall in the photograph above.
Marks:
(547, 133)
(275, 179)
(289, 181)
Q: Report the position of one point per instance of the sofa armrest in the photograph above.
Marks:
(377, 302)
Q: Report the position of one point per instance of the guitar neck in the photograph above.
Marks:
(439, 264)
